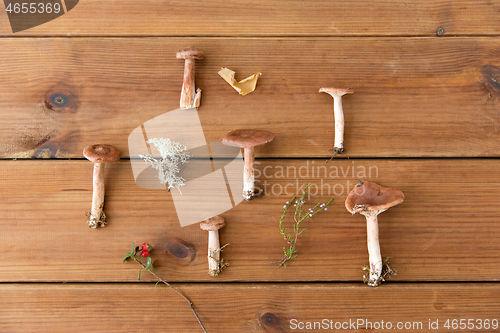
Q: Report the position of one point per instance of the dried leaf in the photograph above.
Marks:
(243, 87)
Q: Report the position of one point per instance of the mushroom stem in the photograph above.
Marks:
(338, 114)
(213, 253)
(188, 85)
(189, 97)
(248, 174)
(212, 225)
(97, 217)
(99, 155)
(373, 249)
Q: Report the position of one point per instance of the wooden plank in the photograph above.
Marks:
(249, 308)
(446, 230)
(414, 97)
(270, 18)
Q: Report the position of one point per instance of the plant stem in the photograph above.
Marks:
(289, 251)
(292, 250)
(177, 291)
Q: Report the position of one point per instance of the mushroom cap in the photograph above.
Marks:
(101, 153)
(247, 138)
(189, 53)
(212, 223)
(336, 91)
(369, 196)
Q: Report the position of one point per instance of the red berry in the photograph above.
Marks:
(145, 246)
(145, 253)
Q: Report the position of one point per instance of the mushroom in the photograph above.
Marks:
(371, 199)
(248, 139)
(212, 225)
(338, 114)
(100, 155)
(189, 99)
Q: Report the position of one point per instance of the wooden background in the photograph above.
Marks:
(425, 118)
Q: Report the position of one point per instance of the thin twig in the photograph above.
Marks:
(177, 291)
(335, 152)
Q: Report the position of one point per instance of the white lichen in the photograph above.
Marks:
(173, 156)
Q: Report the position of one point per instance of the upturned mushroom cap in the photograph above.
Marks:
(372, 197)
(101, 153)
(189, 53)
(336, 91)
(246, 138)
(212, 223)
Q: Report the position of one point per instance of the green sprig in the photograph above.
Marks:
(290, 249)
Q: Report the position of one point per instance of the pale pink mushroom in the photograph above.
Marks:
(190, 97)
(371, 199)
(248, 139)
(99, 154)
(338, 114)
(212, 225)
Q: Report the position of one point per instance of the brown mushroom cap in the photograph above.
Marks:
(245, 138)
(189, 53)
(372, 197)
(336, 90)
(212, 223)
(101, 153)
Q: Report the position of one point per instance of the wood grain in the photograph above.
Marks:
(245, 307)
(446, 230)
(270, 18)
(417, 96)
(414, 97)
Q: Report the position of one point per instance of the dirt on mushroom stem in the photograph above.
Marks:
(96, 222)
(248, 174)
(387, 272)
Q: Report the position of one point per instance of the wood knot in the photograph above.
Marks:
(56, 100)
(48, 149)
(269, 320)
(61, 100)
(491, 76)
(182, 250)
